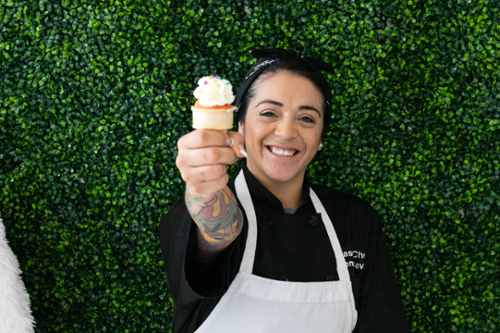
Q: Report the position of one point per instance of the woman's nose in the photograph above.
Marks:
(285, 128)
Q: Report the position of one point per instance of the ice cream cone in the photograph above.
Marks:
(213, 117)
(213, 109)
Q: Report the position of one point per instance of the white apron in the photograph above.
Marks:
(256, 304)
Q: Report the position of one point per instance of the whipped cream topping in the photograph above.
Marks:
(214, 91)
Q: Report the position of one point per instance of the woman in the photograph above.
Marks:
(267, 251)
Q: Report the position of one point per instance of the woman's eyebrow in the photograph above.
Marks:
(303, 107)
(270, 101)
(308, 107)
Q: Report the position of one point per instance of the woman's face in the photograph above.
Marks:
(282, 127)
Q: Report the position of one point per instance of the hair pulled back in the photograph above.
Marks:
(291, 62)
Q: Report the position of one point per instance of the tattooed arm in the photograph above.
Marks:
(202, 159)
(219, 221)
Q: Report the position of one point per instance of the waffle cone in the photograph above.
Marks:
(212, 117)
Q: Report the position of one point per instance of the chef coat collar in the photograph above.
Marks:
(260, 194)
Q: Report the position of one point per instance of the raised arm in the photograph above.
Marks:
(219, 220)
(202, 160)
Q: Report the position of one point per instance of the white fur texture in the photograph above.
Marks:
(15, 312)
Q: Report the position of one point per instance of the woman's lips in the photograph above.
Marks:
(286, 152)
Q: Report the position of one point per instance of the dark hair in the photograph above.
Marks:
(294, 65)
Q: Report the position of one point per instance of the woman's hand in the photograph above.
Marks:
(202, 159)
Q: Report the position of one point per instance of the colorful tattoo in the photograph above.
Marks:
(219, 220)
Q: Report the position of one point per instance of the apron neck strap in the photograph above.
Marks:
(342, 270)
(243, 195)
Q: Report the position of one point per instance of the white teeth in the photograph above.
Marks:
(281, 152)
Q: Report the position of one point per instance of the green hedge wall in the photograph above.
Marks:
(95, 94)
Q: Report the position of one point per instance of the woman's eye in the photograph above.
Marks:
(267, 114)
(308, 120)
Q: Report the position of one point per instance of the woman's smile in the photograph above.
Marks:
(286, 152)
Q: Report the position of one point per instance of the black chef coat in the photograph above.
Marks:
(289, 247)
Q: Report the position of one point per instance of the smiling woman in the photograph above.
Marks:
(267, 251)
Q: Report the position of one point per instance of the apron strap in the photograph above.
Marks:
(342, 270)
(243, 195)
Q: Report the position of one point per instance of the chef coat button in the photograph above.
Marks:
(329, 278)
(312, 220)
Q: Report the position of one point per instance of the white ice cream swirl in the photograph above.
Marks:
(213, 91)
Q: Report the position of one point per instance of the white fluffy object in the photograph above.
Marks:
(15, 312)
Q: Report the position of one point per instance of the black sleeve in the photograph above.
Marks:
(187, 276)
(175, 232)
(195, 288)
(380, 307)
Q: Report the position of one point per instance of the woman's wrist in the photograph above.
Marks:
(198, 199)
(219, 219)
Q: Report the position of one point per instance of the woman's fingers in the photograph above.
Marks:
(203, 138)
(238, 144)
(207, 189)
(205, 173)
(203, 156)
(208, 147)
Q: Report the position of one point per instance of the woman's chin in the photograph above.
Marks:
(282, 175)
(277, 169)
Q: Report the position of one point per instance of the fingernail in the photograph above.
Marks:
(230, 142)
(242, 150)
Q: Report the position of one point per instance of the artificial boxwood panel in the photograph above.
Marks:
(95, 94)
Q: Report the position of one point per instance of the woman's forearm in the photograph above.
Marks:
(219, 220)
